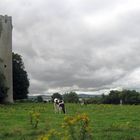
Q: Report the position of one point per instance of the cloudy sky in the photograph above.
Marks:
(77, 44)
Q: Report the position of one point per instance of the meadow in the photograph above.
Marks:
(106, 122)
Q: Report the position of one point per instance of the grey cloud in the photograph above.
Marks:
(91, 44)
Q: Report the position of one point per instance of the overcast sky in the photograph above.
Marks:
(80, 44)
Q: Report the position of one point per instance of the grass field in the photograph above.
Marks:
(107, 122)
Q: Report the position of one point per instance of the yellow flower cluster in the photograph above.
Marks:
(75, 128)
(52, 134)
(34, 118)
(72, 120)
(79, 124)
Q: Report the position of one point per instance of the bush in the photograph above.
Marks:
(71, 97)
(56, 95)
(75, 128)
(127, 97)
(39, 99)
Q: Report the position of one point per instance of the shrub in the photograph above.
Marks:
(75, 128)
(34, 118)
(71, 97)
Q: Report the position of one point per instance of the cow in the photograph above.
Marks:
(56, 105)
(62, 106)
(59, 106)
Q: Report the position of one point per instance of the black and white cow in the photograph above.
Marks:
(56, 105)
(62, 106)
(59, 106)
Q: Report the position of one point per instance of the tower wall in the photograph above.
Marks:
(6, 53)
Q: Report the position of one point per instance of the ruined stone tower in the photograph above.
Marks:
(6, 53)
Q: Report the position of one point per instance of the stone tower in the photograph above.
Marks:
(6, 53)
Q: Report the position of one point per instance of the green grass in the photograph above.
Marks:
(107, 122)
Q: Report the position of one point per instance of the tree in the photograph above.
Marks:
(130, 97)
(39, 99)
(56, 95)
(127, 97)
(20, 78)
(71, 97)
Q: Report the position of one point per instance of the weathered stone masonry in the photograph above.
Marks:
(6, 53)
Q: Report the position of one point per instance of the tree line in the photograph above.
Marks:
(114, 97)
(123, 97)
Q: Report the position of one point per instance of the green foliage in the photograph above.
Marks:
(130, 97)
(34, 118)
(116, 97)
(112, 98)
(20, 78)
(56, 95)
(71, 97)
(51, 135)
(75, 128)
(127, 97)
(39, 99)
(79, 124)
